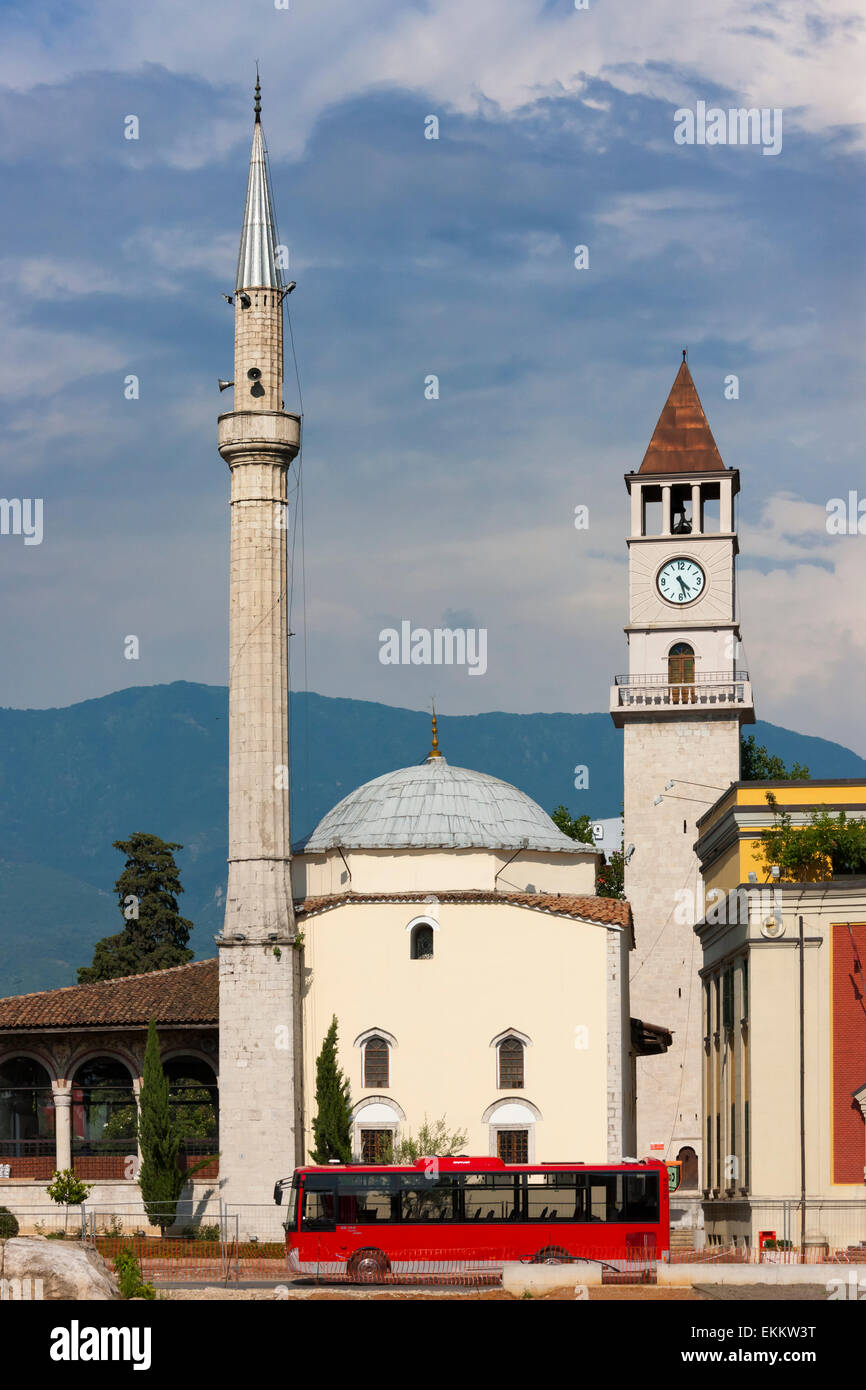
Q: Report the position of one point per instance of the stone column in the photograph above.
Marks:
(62, 1125)
(726, 506)
(697, 525)
(666, 509)
(637, 509)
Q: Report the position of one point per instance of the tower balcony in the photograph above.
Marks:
(654, 692)
(247, 436)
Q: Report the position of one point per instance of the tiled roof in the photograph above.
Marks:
(682, 440)
(183, 994)
(603, 911)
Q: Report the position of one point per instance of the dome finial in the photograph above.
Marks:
(434, 751)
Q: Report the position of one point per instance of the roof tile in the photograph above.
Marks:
(182, 994)
(603, 911)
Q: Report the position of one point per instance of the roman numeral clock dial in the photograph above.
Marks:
(680, 581)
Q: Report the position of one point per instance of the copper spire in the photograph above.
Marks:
(435, 751)
(682, 440)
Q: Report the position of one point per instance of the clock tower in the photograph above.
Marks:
(680, 705)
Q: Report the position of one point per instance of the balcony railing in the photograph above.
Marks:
(655, 688)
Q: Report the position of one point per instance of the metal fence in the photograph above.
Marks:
(774, 1232)
(58, 1223)
(169, 1249)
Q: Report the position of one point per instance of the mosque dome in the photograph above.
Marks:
(435, 806)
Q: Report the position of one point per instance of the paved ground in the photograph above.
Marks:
(641, 1293)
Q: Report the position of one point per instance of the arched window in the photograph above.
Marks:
(681, 664)
(194, 1102)
(103, 1108)
(375, 1122)
(689, 1160)
(377, 1063)
(681, 673)
(509, 1065)
(421, 941)
(26, 1109)
(512, 1129)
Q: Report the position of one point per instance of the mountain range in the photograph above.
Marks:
(154, 758)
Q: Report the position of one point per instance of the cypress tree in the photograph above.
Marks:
(159, 1178)
(332, 1127)
(154, 936)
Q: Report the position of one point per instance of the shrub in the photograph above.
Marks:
(8, 1224)
(201, 1232)
(68, 1190)
(129, 1276)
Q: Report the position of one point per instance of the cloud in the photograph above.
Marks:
(479, 59)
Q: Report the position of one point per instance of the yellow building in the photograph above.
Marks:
(784, 1027)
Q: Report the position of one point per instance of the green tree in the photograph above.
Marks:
(160, 1177)
(68, 1190)
(824, 848)
(432, 1141)
(610, 877)
(332, 1126)
(757, 765)
(154, 936)
(575, 827)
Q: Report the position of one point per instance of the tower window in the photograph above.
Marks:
(421, 942)
(377, 1064)
(681, 664)
(510, 1058)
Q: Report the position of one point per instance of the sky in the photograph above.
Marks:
(414, 257)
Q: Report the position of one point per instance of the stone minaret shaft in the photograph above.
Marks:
(258, 441)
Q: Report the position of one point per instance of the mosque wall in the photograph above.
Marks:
(432, 871)
(494, 968)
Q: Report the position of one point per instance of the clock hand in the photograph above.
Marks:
(682, 585)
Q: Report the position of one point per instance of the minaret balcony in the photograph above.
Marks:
(706, 690)
(246, 435)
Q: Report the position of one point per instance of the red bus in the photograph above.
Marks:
(446, 1214)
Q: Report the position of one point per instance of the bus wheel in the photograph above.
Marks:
(368, 1267)
(552, 1255)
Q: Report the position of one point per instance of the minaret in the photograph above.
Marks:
(680, 705)
(258, 963)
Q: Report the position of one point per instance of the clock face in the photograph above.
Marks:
(681, 581)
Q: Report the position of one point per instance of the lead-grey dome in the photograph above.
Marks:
(435, 806)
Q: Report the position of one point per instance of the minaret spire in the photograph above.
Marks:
(257, 258)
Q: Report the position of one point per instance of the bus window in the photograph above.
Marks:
(291, 1221)
(642, 1197)
(552, 1197)
(491, 1197)
(317, 1210)
(366, 1198)
(427, 1198)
